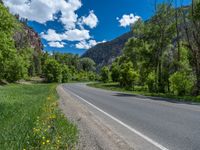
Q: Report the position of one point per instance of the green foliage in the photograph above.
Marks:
(13, 64)
(66, 75)
(53, 71)
(115, 72)
(185, 59)
(128, 77)
(152, 56)
(151, 82)
(92, 76)
(181, 83)
(196, 13)
(87, 64)
(7, 22)
(105, 74)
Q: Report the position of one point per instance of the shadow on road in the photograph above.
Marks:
(156, 98)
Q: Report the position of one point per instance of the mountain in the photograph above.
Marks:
(27, 37)
(105, 53)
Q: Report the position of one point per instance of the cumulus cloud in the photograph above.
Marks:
(128, 20)
(51, 35)
(69, 35)
(87, 44)
(91, 20)
(57, 44)
(42, 11)
(77, 35)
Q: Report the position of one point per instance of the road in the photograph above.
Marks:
(173, 125)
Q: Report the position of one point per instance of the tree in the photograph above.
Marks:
(105, 74)
(87, 64)
(53, 71)
(13, 65)
(163, 29)
(192, 31)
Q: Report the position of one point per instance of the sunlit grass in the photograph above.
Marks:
(30, 119)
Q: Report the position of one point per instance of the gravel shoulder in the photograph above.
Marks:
(94, 134)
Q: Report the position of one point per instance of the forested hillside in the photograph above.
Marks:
(105, 53)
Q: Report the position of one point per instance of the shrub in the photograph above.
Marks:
(16, 69)
(115, 72)
(92, 76)
(52, 71)
(151, 82)
(128, 76)
(181, 83)
(105, 74)
(66, 75)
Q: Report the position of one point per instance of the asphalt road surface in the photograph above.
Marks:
(173, 125)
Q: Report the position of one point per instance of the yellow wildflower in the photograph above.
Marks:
(43, 143)
(47, 141)
(53, 116)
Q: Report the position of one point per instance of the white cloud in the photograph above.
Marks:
(128, 20)
(77, 35)
(44, 10)
(70, 35)
(91, 20)
(86, 45)
(57, 44)
(51, 35)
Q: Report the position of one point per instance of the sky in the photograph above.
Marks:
(73, 26)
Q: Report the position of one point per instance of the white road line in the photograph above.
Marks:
(122, 123)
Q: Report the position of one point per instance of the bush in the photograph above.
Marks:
(105, 74)
(151, 82)
(66, 75)
(92, 76)
(115, 72)
(128, 76)
(181, 83)
(16, 69)
(52, 71)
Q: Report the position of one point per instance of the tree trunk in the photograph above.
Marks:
(160, 80)
(178, 38)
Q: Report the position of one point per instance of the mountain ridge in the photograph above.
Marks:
(105, 53)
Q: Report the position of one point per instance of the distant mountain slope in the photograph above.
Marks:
(105, 53)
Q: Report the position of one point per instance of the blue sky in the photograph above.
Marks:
(73, 26)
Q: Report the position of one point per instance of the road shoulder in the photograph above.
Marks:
(93, 132)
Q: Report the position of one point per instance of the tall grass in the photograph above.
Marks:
(30, 119)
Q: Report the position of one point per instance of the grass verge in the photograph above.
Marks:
(30, 119)
(138, 91)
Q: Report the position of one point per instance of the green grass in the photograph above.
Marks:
(140, 91)
(30, 119)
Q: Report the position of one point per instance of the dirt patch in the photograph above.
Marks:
(93, 133)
